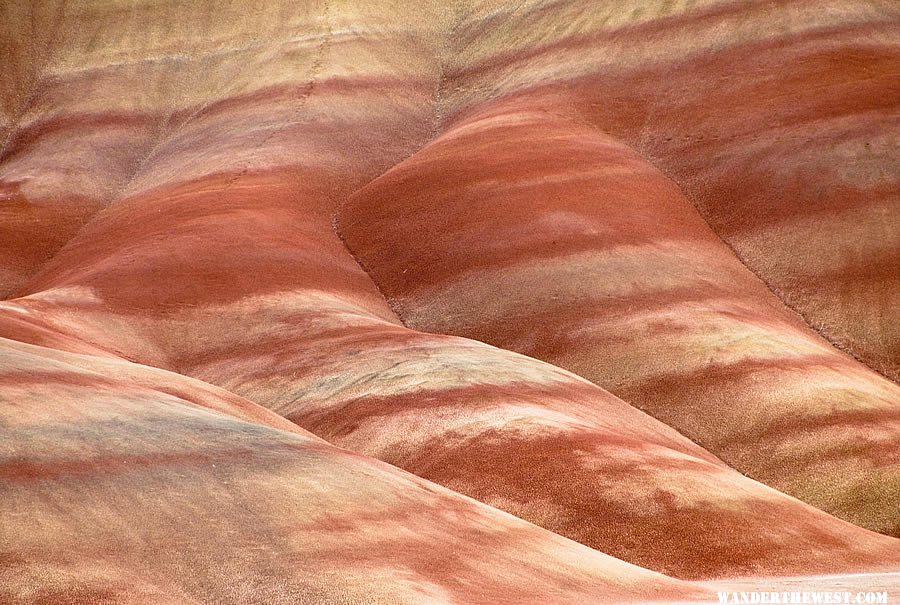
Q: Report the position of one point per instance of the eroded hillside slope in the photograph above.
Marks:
(262, 261)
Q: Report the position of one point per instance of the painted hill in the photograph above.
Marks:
(471, 302)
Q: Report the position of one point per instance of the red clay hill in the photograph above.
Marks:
(371, 301)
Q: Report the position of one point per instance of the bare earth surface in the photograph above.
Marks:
(373, 301)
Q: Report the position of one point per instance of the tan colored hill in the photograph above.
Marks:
(473, 302)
